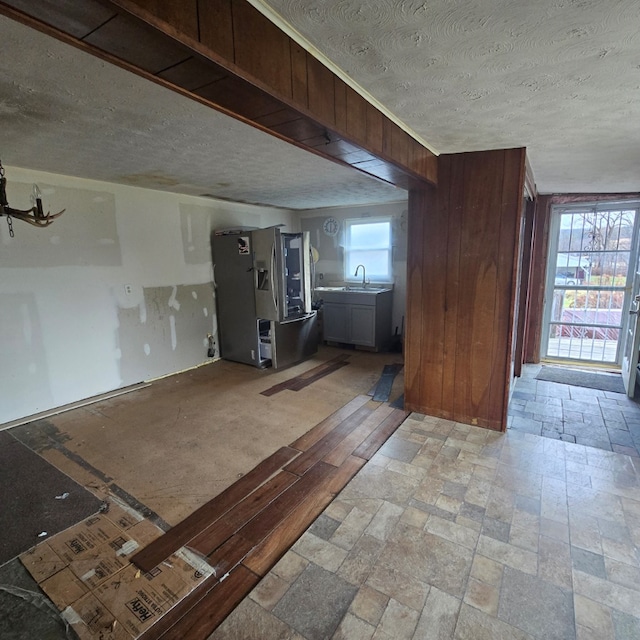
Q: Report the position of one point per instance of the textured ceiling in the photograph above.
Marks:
(560, 77)
(67, 112)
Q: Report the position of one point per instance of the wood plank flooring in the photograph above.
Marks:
(310, 376)
(152, 555)
(246, 529)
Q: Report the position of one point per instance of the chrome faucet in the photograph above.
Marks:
(364, 275)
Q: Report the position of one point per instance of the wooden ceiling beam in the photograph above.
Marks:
(227, 55)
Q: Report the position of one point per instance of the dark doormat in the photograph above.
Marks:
(602, 381)
(35, 498)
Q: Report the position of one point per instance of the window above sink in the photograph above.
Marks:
(367, 250)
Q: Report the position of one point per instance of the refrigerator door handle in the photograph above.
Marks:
(273, 279)
(306, 316)
(215, 284)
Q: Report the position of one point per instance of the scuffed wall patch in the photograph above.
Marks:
(85, 235)
(169, 335)
(197, 223)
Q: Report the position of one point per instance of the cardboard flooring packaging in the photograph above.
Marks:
(86, 572)
(64, 588)
(122, 514)
(84, 540)
(91, 620)
(94, 550)
(42, 562)
(190, 567)
(138, 600)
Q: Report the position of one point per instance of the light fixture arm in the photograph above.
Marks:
(34, 216)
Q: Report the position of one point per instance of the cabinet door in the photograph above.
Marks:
(362, 322)
(335, 322)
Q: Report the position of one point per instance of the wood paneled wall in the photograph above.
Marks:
(461, 284)
(225, 53)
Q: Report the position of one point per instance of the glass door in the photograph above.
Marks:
(589, 281)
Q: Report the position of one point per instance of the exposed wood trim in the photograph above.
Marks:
(415, 273)
(301, 41)
(529, 181)
(142, 42)
(514, 178)
(540, 242)
(568, 198)
(525, 279)
(539, 249)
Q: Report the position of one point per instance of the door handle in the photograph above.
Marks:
(213, 277)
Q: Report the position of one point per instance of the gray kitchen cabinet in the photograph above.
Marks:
(361, 318)
(335, 322)
(362, 324)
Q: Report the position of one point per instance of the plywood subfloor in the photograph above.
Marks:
(186, 442)
(186, 438)
(245, 530)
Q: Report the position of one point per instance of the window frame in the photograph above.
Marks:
(348, 251)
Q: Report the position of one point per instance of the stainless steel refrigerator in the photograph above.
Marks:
(262, 281)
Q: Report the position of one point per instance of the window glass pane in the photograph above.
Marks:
(368, 243)
(364, 236)
(376, 263)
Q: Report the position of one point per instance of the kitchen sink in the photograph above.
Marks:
(354, 289)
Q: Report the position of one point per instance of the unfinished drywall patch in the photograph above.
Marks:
(99, 323)
(197, 223)
(166, 332)
(85, 234)
(399, 231)
(24, 375)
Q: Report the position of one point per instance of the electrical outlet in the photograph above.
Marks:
(128, 289)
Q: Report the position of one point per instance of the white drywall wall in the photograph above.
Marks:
(116, 291)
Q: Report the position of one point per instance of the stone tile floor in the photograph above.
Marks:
(601, 419)
(453, 531)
